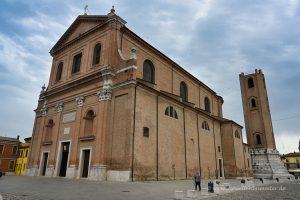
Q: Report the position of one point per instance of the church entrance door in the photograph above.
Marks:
(220, 168)
(86, 161)
(64, 159)
(44, 163)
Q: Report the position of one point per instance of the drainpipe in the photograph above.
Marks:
(133, 133)
(184, 143)
(157, 137)
(215, 149)
(198, 143)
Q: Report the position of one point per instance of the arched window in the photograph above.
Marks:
(205, 125)
(170, 111)
(237, 134)
(49, 130)
(258, 139)
(148, 71)
(207, 104)
(59, 71)
(89, 123)
(250, 83)
(76, 63)
(97, 52)
(183, 91)
(167, 111)
(253, 103)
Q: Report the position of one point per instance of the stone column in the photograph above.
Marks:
(98, 170)
(74, 153)
(74, 159)
(55, 141)
(39, 138)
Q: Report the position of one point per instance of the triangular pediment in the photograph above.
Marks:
(82, 25)
(81, 28)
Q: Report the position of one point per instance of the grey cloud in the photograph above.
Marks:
(214, 40)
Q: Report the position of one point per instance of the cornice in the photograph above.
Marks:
(174, 64)
(175, 99)
(106, 19)
(58, 48)
(73, 83)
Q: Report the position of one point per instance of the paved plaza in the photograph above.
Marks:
(41, 188)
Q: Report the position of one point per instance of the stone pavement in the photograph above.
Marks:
(42, 188)
(290, 191)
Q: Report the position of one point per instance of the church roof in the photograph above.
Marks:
(224, 120)
(8, 139)
(74, 25)
(101, 19)
(104, 19)
(295, 154)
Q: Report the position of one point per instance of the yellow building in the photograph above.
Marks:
(22, 157)
(292, 163)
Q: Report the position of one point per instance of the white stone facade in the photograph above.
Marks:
(267, 164)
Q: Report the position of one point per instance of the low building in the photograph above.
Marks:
(8, 154)
(22, 157)
(292, 163)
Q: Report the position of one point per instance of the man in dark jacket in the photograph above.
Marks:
(197, 178)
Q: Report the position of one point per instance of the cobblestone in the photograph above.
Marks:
(7, 196)
(42, 188)
(280, 191)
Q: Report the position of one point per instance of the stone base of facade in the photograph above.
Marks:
(71, 172)
(98, 173)
(115, 175)
(266, 164)
(49, 171)
(31, 171)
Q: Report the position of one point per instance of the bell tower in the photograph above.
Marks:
(256, 111)
(259, 129)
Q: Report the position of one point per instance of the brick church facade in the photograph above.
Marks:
(116, 108)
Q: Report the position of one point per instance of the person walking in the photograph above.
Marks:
(197, 178)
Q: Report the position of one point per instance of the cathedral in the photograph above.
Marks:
(118, 109)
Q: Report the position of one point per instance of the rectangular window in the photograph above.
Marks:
(146, 132)
(26, 153)
(1, 149)
(219, 148)
(15, 150)
(11, 165)
(76, 63)
(248, 162)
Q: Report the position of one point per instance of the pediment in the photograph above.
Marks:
(81, 28)
(82, 25)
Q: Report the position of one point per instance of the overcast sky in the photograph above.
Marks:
(215, 40)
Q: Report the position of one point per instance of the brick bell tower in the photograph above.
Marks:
(259, 129)
(256, 111)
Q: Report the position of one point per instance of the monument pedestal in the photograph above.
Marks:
(266, 163)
